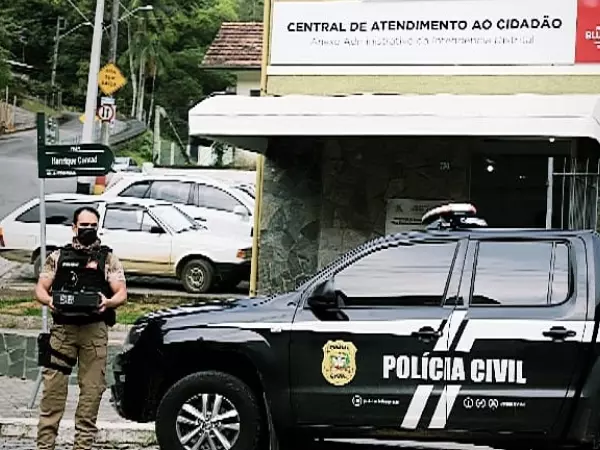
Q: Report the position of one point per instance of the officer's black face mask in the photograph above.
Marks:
(87, 236)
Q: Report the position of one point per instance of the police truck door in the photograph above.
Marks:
(379, 360)
(521, 338)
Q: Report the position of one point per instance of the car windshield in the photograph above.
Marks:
(176, 219)
(249, 198)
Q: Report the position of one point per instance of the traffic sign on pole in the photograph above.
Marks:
(106, 113)
(110, 79)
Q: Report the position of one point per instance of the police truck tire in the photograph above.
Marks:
(188, 390)
(197, 276)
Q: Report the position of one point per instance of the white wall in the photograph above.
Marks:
(246, 81)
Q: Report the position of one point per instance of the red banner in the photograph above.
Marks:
(587, 47)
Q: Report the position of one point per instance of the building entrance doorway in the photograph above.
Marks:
(510, 190)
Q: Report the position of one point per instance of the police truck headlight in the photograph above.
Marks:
(133, 336)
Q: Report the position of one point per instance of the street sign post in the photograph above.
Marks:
(63, 161)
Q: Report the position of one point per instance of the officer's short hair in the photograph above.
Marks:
(78, 211)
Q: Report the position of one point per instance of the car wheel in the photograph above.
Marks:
(197, 276)
(209, 410)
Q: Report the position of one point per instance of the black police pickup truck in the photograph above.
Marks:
(458, 333)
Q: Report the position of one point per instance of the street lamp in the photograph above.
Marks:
(145, 8)
(84, 183)
(114, 34)
(92, 85)
(57, 39)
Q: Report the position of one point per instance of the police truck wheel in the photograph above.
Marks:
(215, 408)
(197, 276)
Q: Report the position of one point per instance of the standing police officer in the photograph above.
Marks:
(78, 336)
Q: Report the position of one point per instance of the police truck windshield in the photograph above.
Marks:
(175, 218)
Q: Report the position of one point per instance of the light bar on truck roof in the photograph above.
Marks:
(453, 215)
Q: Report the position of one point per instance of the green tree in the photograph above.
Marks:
(5, 37)
(159, 52)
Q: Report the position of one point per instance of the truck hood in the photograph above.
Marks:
(242, 310)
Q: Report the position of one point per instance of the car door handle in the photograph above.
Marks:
(559, 333)
(426, 333)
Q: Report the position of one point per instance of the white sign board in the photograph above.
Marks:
(106, 113)
(404, 214)
(108, 102)
(424, 32)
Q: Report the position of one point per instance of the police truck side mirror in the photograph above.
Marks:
(323, 297)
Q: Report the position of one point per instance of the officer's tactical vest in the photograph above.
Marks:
(80, 270)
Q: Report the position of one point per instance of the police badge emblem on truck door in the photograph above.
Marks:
(339, 362)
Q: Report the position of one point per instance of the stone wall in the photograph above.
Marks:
(18, 358)
(324, 196)
(361, 174)
(290, 215)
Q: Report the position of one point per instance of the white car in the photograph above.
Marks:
(151, 237)
(224, 209)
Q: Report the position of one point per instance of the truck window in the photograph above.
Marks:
(406, 275)
(170, 191)
(57, 213)
(137, 190)
(521, 274)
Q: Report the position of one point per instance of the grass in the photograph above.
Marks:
(126, 314)
(35, 106)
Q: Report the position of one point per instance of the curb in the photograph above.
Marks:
(134, 294)
(108, 432)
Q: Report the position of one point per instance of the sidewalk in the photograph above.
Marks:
(16, 420)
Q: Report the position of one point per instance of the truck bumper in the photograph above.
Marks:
(131, 389)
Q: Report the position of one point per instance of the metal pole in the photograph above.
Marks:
(55, 59)
(172, 153)
(549, 192)
(14, 111)
(156, 140)
(41, 138)
(92, 86)
(114, 34)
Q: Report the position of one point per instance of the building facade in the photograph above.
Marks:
(492, 102)
(237, 49)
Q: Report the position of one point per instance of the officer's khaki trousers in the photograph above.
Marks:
(87, 343)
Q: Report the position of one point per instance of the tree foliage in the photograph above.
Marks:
(159, 52)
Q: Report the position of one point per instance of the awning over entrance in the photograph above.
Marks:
(249, 121)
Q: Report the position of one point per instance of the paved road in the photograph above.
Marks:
(28, 444)
(18, 167)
